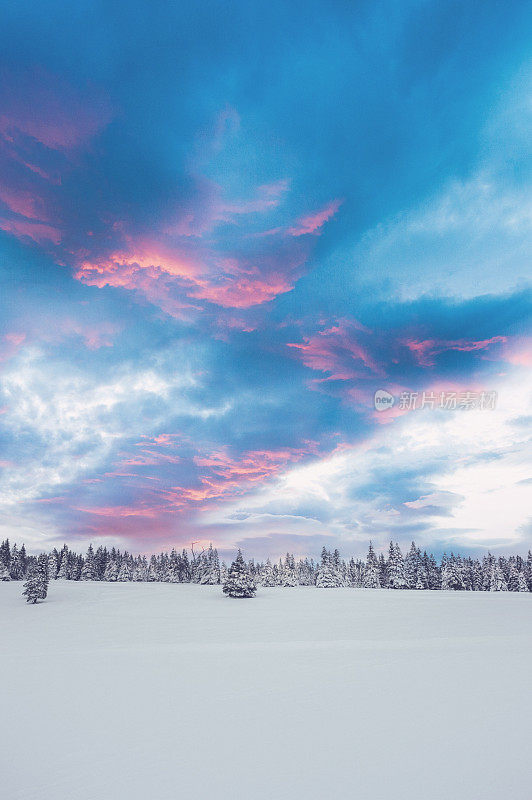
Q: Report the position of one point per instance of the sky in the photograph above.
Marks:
(223, 227)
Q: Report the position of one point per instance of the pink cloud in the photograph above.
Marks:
(173, 280)
(22, 202)
(224, 476)
(519, 352)
(243, 292)
(425, 351)
(47, 109)
(39, 232)
(10, 344)
(338, 351)
(312, 223)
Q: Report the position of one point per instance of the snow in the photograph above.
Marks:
(165, 691)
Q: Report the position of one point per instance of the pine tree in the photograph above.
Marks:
(15, 568)
(36, 586)
(64, 569)
(327, 577)
(153, 570)
(124, 573)
(521, 583)
(396, 568)
(267, 578)
(210, 575)
(497, 579)
(4, 572)
(111, 571)
(451, 575)
(528, 570)
(88, 572)
(413, 567)
(23, 559)
(513, 579)
(5, 553)
(52, 565)
(239, 582)
(371, 579)
(140, 571)
(288, 572)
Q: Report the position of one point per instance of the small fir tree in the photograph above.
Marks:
(88, 571)
(267, 578)
(396, 568)
(239, 582)
(371, 578)
(15, 567)
(36, 586)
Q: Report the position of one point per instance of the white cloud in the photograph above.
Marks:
(68, 422)
(468, 468)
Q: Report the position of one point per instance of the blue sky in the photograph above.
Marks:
(223, 228)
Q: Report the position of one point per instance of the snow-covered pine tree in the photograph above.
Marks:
(210, 574)
(4, 572)
(353, 574)
(451, 576)
(306, 572)
(339, 567)
(513, 579)
(488, 563)
(111, 571)
(183, 567)
(267, 578)
(36, 586)
(383, 572)
(412, 567)
(476, 577)
(5, 553)
(52, 565)
(396, 568)
(497, 579)
(288, 572)
(527, 570)
(371, 579)
(124, 573)
(140, 570)
(76, 565)
(239, 582)
(100, 562)
(88, 571)
(327, 576)
(521, 582)
(64, 567)
(23, 559)
(15, 567)
(153, 570)
(223, 572)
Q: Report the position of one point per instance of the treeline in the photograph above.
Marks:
(416, 570)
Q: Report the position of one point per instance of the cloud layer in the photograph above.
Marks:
(215, 248)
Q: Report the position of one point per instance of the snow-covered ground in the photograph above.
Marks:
(163, 691)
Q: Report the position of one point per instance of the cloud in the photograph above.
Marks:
(45, 108)
(433, 465)
(479, 226)
(337, 350)
(68, 424)
(312, 223)
(426, 351)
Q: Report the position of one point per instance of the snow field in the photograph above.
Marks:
(134, 690)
